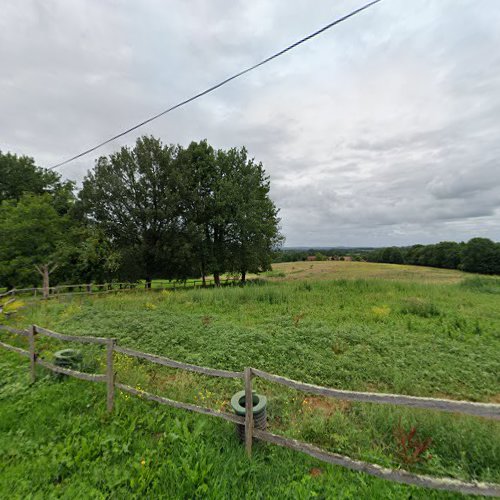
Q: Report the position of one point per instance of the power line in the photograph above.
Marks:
(220, 84)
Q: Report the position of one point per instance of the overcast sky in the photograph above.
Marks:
(384, 130)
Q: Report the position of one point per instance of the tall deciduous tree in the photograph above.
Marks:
(253, 234)
(198, 168)
(33, 236)
(232, 222)
(133, 196)
(19, 175)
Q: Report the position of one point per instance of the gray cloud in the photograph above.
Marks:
(383, 131)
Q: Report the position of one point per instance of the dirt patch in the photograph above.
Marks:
(327, 406)
(445, 395)
(315, 472)
(495, 398)
(160, 379)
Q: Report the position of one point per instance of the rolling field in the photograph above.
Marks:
(328, 270)
(360, 326)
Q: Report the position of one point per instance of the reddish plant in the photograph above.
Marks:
(411, 449)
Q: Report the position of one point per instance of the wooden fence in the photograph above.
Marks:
(486, 410)
(102, 288)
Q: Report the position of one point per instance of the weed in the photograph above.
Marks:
(297, 318)
(381, 312)
(411, 449)
(420, 307)
(338, 348)
(304, 287)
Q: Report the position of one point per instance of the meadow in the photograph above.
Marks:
(360, 326)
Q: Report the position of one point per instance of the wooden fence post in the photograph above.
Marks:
(31, 338)
(110, 376)
(248, 411)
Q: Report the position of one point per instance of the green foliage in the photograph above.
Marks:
(420, 307)
(178, 213)
(294, 255)
(134, 199)
(19, 175)
(320, 256)
(89, 257)
(32, 233)
(478, 255)
(232, 223)
(39, 225)
(392, 255)
(481, 255)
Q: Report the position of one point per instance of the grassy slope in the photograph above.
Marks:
(366, 270)
(405, 336)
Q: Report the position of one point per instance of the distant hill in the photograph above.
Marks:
(343, 248)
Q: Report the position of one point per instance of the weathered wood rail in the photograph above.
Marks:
(485, 410)
(477, 409)
(111, 287)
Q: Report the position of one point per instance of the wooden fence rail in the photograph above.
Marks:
(477, 409)
(491, 411)
(160, 360)
(113, 287)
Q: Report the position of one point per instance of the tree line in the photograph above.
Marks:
(151, 211)
(478, 255)
(296, 254)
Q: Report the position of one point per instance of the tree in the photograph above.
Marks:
(392, 255)
(90, 257)
(446, 254)
(134, 198)
(199, 169)
(413, 255)
(321, 256)
(232, 222)
(253, 234)
(32, 237)
(19, 175)
(481, 255)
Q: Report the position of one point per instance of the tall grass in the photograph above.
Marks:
(437, 340)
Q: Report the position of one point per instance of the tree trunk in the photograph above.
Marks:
(217, 278)
(45, 280)
(45, 270)
(148, 283)
(203, 272)
(243, 276)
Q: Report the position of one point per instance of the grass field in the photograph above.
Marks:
(416, 331)
(327, 270)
